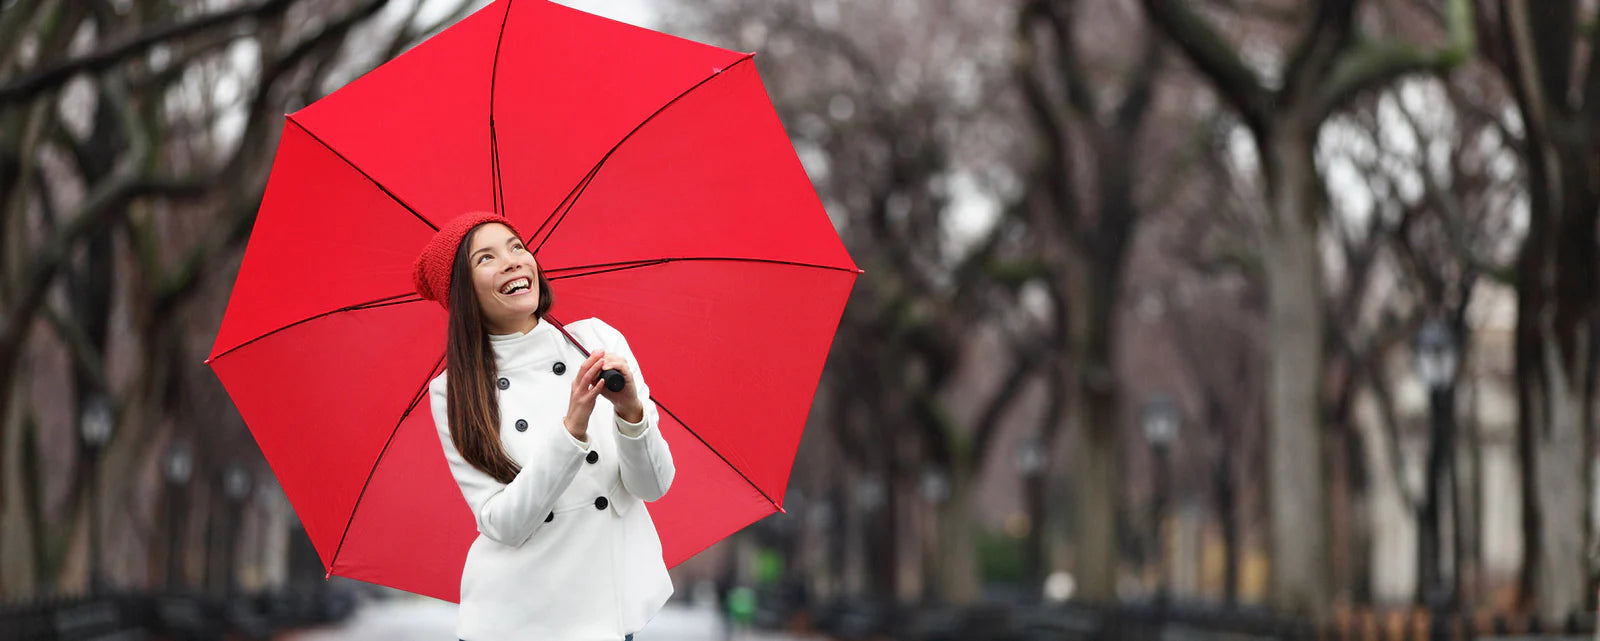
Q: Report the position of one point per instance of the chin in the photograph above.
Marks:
(520, 308)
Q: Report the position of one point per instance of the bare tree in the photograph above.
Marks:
(891, 104)
(134, 143)
(1082, 242)
(1549, 64)
(1325, 66)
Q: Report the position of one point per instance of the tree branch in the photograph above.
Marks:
(55, 75)
(1215, 58)
(1139, 87)
(1326, 36)
(12, 23)
(408, 36)
(1376, 62)
(1079, 93)
(1053, 123)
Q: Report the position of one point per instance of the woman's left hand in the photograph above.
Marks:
(626, 402)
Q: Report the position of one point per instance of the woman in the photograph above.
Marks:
(553, 465)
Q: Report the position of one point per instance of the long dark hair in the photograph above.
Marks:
(469, 362)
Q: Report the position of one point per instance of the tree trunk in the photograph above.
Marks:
(1098, 459)
(19, 575)
(1227, 501)
(1562, 482)
(1556, 297)
(957, 565)
(1095, 522)
(1294, 370)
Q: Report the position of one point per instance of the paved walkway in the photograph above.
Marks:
(412, 618)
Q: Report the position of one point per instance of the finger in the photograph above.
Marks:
(623, 369)
(579, 384)
(594, 390)
(593, 365)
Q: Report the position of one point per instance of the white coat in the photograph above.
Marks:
(567, 550)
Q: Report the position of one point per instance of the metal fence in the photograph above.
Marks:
(859, 620)
(178, 617)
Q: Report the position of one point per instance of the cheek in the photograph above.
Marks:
(482, 283)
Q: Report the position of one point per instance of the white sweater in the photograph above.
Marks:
(566, 550)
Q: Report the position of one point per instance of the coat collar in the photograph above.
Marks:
(519, 349)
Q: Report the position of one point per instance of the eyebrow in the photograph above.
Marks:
(509, 241)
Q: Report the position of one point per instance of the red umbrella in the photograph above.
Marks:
(660, 193)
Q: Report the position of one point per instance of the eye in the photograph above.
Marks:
(517, 247)
(482, 257)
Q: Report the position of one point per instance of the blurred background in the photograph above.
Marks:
(1180, 319)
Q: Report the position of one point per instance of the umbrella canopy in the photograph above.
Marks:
(659, 192)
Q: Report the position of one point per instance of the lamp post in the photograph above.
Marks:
(871, 498)
(1436, 359)
(177, 469)
(94, 426)
(236, 485)
(935, 489)
(1030, 462)
(1159, 419)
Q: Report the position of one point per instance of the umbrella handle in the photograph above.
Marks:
(614, 380)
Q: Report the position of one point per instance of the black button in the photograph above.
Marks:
(504, 383)
(600, 503)
(522, 426)
(550, 518)
(593, 457)
(559, 368)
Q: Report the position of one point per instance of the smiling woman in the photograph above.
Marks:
(502, 275)
(564, 550)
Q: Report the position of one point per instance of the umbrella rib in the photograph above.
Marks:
(364, 174)
(561, 326)
(494, 141)
(572, 198)
(603, 268)
(417, 398)
(565, 207)
(386, 301)
(713, 450)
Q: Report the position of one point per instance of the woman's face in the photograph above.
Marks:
(504, 277)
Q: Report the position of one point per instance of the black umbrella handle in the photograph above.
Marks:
(614, 380)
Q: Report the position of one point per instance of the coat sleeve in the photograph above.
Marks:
(644, 460)
(509, 513)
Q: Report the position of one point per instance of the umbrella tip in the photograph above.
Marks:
(780, 508)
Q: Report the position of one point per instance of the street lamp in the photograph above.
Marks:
(236, 485)
(1436, 359)
(935, 486)
(869, 494)
(94, 426)
(1030, 461)
(178, 468)
(1159, 419)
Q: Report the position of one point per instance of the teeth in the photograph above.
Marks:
(520, 282)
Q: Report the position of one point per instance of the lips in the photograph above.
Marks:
(516, 286)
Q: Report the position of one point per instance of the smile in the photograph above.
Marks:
(513, 287)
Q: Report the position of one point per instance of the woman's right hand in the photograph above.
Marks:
(586, 386)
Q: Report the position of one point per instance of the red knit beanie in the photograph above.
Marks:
(431, 272)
